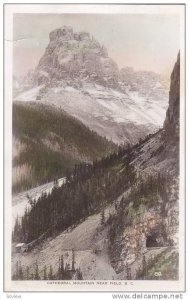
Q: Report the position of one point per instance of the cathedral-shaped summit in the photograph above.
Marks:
(76, 55)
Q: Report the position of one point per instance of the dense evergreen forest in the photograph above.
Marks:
(88, 189)
(48, 141)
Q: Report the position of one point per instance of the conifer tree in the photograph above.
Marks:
(129, 277)
(27, 273)
(50, 275)
(144, 266)
(102, 220)
(73, 260)
(59, 269)
(62, 267)
(45, 273)
(80, 276)
(20, 271)
(17, 271)
(36, 276)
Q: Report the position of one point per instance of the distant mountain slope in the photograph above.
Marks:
(120, 116)
(47, 142)
(148, 84)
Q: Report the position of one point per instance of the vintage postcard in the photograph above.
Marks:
(94, 147)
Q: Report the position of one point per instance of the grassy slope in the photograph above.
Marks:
(53, 142)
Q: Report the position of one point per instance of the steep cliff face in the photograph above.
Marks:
(171, 124)
(75, 56)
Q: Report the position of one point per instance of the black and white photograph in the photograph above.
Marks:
(94, 155)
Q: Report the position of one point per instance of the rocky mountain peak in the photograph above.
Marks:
(65, 32)
(75, 56)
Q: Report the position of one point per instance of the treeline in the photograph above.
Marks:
(88, 189)
(64, 272)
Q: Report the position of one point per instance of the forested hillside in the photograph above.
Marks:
(47, 142)
(89, 189)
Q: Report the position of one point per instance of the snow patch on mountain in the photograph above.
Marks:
(109, 112)
(29, 95)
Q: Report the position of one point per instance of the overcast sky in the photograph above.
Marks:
(145, 42)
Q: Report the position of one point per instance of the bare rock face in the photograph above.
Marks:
(171, 124)
(65, 33)
(75, 56)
